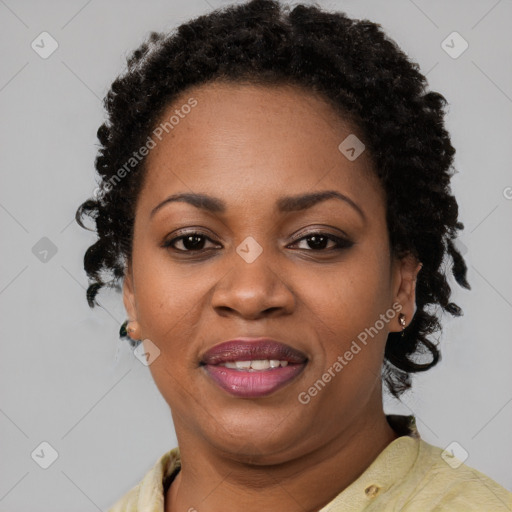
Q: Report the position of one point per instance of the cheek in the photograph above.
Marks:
(167, 293)
(345, 316)
(169, 302)
(355, 293)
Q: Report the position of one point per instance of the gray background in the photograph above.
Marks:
(65, 377)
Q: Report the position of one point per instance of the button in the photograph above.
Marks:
(372, 490)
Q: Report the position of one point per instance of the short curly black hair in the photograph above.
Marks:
(360, 72)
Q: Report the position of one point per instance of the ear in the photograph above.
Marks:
(405, 271)
(129, 294)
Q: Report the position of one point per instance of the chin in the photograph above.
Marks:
(262, 440)
(259, 452)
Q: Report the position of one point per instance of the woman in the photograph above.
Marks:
(275, 196)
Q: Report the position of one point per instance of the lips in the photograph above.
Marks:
(252, 367)
(247, 349)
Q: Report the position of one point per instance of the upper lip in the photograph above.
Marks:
(250, 349)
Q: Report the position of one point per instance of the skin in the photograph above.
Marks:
(249, 146)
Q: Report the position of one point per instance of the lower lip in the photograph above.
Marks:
(247, 384)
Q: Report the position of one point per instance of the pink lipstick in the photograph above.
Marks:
(252, 367)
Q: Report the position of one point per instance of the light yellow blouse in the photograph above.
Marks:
(409, 475)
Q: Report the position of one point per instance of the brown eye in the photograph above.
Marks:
(319, 242)
(191, 242)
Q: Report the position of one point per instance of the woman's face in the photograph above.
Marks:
(316, 275)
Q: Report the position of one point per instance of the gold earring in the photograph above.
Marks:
(128, 330)
(401, 319)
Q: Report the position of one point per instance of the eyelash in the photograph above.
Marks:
(342, 243)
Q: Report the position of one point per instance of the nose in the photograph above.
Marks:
(253, 290)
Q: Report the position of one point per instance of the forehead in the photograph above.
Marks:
(228, 113)
(254, 140)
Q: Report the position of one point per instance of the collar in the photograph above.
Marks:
(390, 466)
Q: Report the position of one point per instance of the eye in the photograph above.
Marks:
(318, 241)
(191, 242)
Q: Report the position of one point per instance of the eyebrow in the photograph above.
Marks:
(284, 204)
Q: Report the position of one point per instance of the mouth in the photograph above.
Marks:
(252, 367)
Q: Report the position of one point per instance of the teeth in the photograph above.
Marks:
(260, 364)
(257, 364)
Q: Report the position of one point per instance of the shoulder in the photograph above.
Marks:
(149, 491)
(439, 481)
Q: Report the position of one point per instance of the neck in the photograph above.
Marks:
(210, 482)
